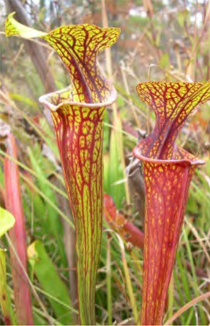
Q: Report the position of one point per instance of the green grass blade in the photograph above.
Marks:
(5, 302)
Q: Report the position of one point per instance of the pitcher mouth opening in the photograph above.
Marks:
(185, 161)
(55, 100)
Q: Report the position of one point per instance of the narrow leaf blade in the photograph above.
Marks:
(5, 302)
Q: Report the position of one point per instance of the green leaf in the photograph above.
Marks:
(51, 283)
(182, 17)
(26, 100)
(50, 219)
(113, 170)
(5, 301)
(7, 221)
(164, 60)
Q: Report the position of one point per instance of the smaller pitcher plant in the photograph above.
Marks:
(78, 113)
(168, 171)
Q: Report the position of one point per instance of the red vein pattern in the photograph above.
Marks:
(168, 171)
(167, 189)
(79, 136)
(77, 46)
(78, 113)
(172, 103)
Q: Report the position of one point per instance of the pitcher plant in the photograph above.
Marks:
(168, 170)
(78, 113)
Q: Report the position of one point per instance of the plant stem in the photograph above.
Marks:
(18, 237)
(109, 283)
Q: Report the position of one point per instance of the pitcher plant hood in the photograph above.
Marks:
(77, 46)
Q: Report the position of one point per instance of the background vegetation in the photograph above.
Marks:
(160, 40)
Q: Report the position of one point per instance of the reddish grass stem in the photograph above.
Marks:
(17, 236)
